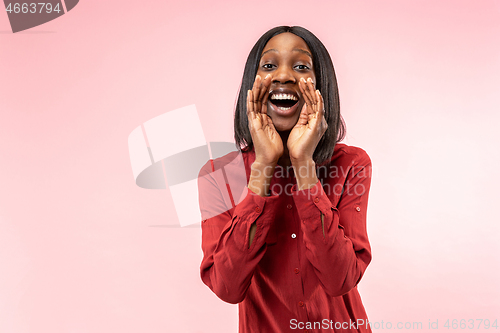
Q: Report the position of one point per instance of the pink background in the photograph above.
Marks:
(83, 249)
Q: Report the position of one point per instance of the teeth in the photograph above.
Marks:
(284, 96)
(284, 109)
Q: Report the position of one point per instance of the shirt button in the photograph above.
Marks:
(358, 209)
(289, 206)
(257, 209)
(301, 304)
(316, 200)
(294, 235)
(296, 270)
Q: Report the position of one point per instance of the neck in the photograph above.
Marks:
(284, 160)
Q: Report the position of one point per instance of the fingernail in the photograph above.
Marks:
(268, 75)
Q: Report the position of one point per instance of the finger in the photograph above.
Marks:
(312, 91)
(250, 104)
(262, 111)
(302, 88)
(310, 95)
(266, 93)
(263, 107)
(323, 125)
(264, 88)
(320, 105)
(256, 83)
(255, 93)
(250, 111)
(303, 117)
(249, 96)
(305, 92)
(264, 103)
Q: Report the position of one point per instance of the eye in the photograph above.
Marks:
(268, 66)
(301, 67)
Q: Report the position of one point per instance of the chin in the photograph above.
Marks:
(283, 125)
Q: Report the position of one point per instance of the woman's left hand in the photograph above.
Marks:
(310, 127)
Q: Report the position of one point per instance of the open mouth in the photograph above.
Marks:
(283, 101)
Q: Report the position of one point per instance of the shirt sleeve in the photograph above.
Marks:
(338, 247)
(228, 263)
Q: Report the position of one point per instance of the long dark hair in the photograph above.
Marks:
(326, 82)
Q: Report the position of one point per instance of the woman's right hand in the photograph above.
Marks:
(266, 140)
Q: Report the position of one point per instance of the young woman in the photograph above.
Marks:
(293, 249)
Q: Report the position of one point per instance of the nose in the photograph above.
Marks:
(284, 75)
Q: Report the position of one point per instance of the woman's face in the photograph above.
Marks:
(288, 59)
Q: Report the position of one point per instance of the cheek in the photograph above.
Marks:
(313, 77)
(301, 104)
(260, 73)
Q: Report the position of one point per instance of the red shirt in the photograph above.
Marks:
(295, 277)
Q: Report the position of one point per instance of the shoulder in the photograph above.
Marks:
(349, 155)
(230, 160)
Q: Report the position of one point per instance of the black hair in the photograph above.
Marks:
(326, 82)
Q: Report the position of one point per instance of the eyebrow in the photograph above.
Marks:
(303, 51)
(297, 50)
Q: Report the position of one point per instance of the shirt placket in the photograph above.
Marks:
(295, 241)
